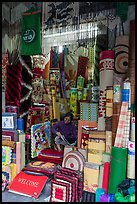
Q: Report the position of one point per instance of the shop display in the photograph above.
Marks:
(80, 58)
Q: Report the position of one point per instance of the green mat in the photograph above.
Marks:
(118, 166)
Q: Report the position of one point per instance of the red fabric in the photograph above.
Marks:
(45, 159)
(52, 152)
(50, 155)
(13, 85)
(56, 194)
(28, 184)
(106, 172)
(59, 193)
(82, 65)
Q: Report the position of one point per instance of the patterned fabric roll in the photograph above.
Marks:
(121, 125)
(132, 136)
(82, 65)
(132, 59)
(121, 54)
(13, 85)
(131, 160)
(125, 139)
(109, 101)
(126, 93)
(115, 118)
(91, 56)
(106, 67)
(4, 64)
(108, 141)
(37, 90)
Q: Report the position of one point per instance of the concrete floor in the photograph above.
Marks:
(12, 197)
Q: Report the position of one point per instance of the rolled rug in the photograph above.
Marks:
(121, 125)
(118, 167)
(106, 176)
(132, 59)
(131, 160)
(101, 169)
(106, 68)
(121, 54)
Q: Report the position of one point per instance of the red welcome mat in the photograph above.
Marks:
(28, 185)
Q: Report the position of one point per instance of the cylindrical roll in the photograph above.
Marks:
(108, 123)
(126, 134)
(121, 54)
(106, 68)
(95, 94)
(106, 157)
(115, 119)
(109, 101)
(131, 160)
(73, 100)
(132, 59)
(118, 167)
(106, 176)
(132, 136)
(101, 169)
(121, 124)
(108, 141)
(20, 124)
(126, 95)
(117, 93)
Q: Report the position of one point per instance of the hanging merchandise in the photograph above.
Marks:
(31, 36)
(122, 10)
(13, 85)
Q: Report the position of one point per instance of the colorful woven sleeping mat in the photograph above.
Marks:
(67, 186)
(50, 155)
(46, 168)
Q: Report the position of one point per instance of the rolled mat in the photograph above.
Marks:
(118, 167)
(101, 169)
(121, 54)
(131, 160)
(106, 176)
(132, 59)
(106, 72)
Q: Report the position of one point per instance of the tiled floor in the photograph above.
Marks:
(12, 197)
